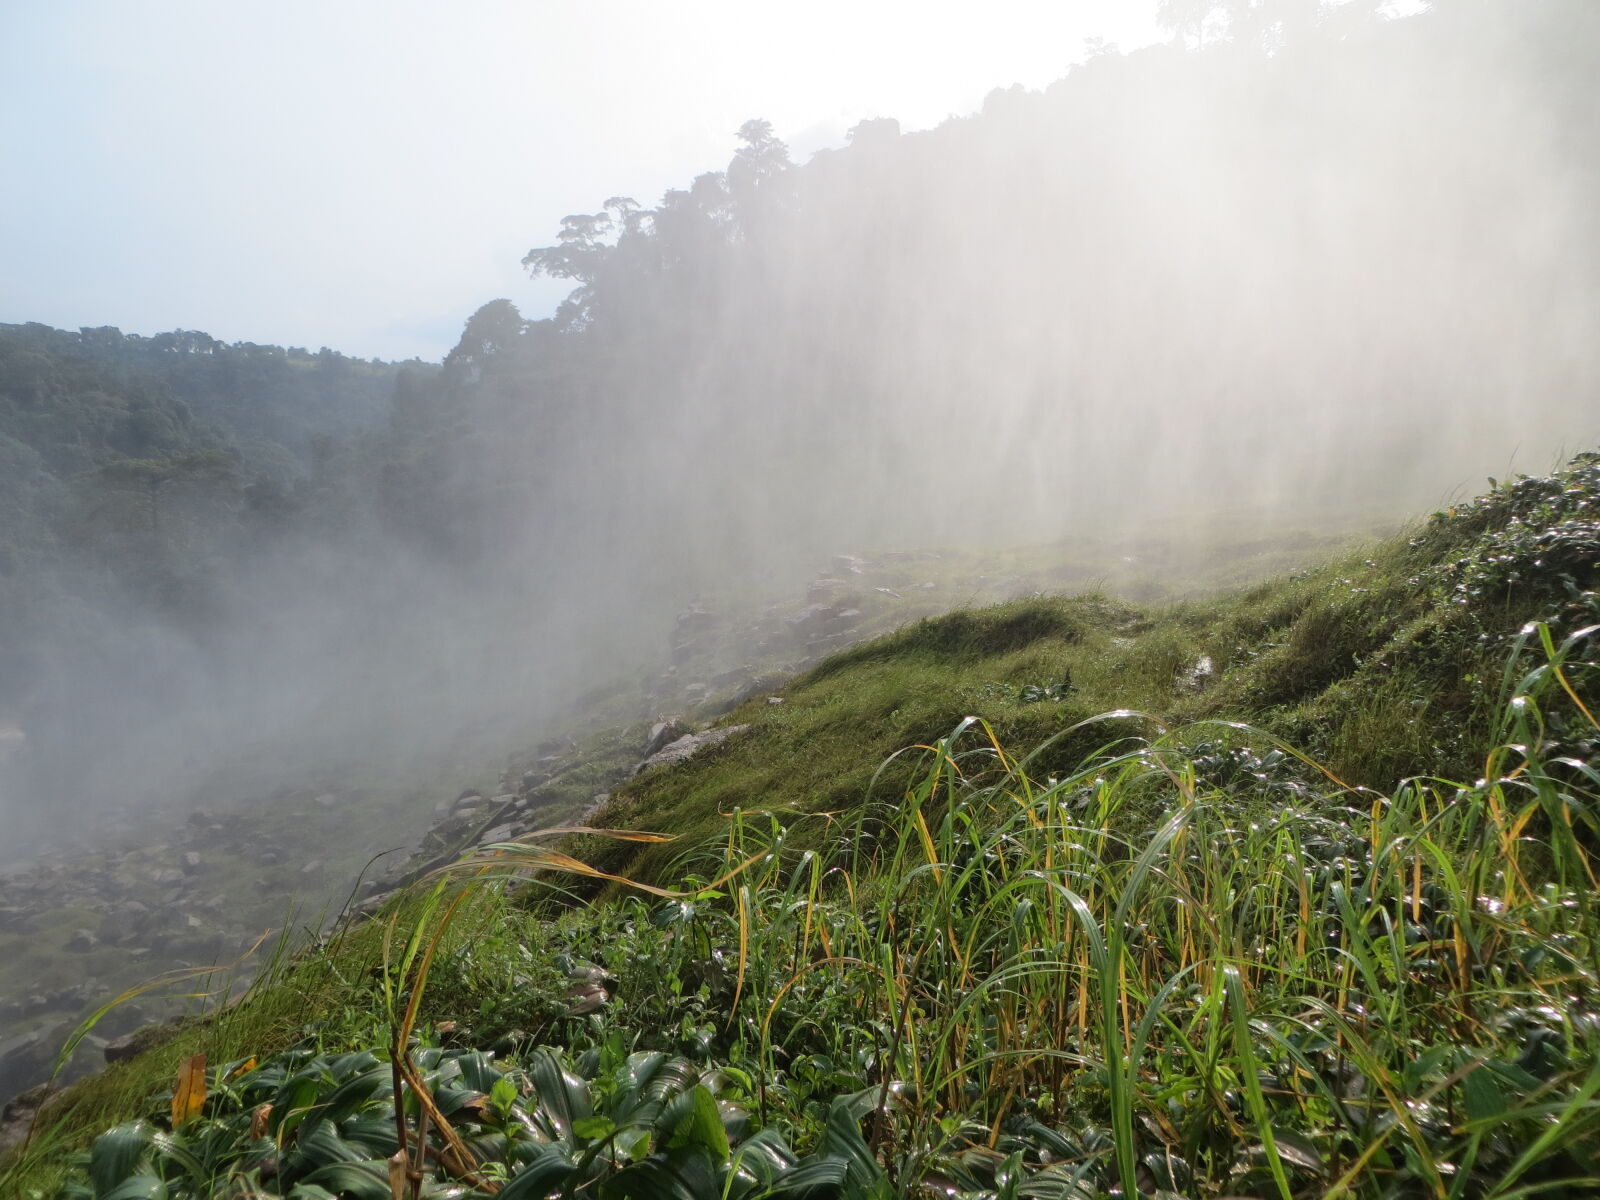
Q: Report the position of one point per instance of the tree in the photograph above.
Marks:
(151, 482)
(493, 329)
(1187, 18)
(754, 174)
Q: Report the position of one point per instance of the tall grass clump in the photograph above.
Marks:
(1197, 964)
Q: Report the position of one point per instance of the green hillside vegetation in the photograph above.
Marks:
(140, 469)
(1285, 893)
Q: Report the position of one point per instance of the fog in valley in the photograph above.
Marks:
(1323, 273)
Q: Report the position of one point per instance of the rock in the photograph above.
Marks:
(312, 867)
(821, 619)
(191, 860)
(692, 621)
(82, 942)
(688, 745)
(373, 903)
(326, 800)
(146, 1036)
(125, 921)
(825, 588)
(1198, 677)
(774, 699)
(16, 1119)
(663, 732)
(500, 833)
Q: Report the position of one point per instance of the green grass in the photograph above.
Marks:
(954, 916)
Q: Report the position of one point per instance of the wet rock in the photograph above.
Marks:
(375, 902)
(27, 1058)
(689, 745)
(825, 619)
(16, 1119)
(144, 1038)
(825, 589)
(126, 920)
(693, 621)
(82, 942)
(664, 732)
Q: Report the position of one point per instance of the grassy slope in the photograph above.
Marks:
(1381, 664)
(1384, 664)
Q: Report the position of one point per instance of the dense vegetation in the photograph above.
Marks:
(1037, 953)
(145, 484)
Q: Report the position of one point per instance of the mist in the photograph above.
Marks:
(1332, 277)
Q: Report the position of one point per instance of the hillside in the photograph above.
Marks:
(1316, 918)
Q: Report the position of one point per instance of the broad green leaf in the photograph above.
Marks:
(702, 1126)
(593, 1129)
(683, 1175)
(368, 1180)
(116, 1154)
(550, 1166)
(138, 1187)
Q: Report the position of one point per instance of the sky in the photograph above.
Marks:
(363, 174)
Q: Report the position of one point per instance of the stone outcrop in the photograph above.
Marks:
(689, 745)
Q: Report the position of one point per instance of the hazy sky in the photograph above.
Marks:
(364, 173)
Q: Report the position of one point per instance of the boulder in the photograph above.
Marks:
(146, 1036)
(664, 732)
(82, 942)
(16, 1119)
(689, 745)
